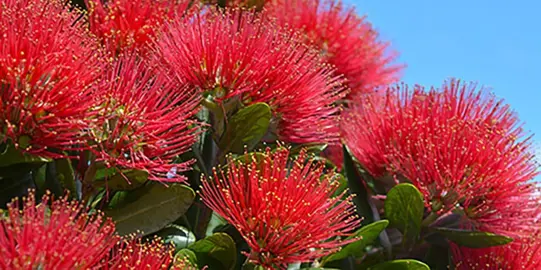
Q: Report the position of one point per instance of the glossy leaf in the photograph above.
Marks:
(474, 239)
(155, 209)
(358, 187)
(401, 265)
(9, 155)
(66, 175)
(404, 207)
(246, 127)
(218, 251)
(367, 234)
(177, 235)
(125, 180)
(186, 254)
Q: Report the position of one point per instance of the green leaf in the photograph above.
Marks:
(218, 251)
(186, 254)
(367, 234)
(154, 210)
(246, 127)
(66, 175)
(177, 235)
(215, 221)
(9, 155)
(125, 180)
(401, 265)
(404, 207)
(358, 187)
(474, 239)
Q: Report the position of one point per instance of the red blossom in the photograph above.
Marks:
(144, 121)
(134, 253)
(62, 236)
(238, 54)
(464, 150)
(345, 40)
(124, 25)
(521, 254)
(286, 215)
(47, 68)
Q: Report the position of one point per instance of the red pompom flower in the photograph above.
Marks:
(238, 54)
(286, 215)
(344, 40)
(463, 149)
(143, 121)
(520, 254)
(134, 253)
(62, 236)
(47, 68)
(124, 25)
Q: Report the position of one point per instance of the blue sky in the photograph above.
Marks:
(496, 43)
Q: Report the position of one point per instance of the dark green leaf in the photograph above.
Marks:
(311, 148)
(177, 235)
(125, 180)
(474, 239)
(404, 207)
(401, 265)
(358, 187)
(187, 255)
(154, 210)
(218, 251)
(11, 156)
(66, 175)
(367, 234)
(246, 127)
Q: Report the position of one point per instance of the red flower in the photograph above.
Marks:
(344, 39)
(124, 25)
(520, 254)
(62, 236)
(144, 121)
(239, 54)
(286, 215)
(133, 253)
(47, 66)
(458, 146)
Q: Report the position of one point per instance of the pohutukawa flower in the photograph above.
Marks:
(238, 54)
(134, 253)
(124, 25)
(344, 40)
(47, 68)
(463, 149)
(143, 121)
(60, 236)
(521, 254)
(285, 214)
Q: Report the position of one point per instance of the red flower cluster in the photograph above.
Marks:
(521, 254)
(240, 54)
(125, 25)
(47, 68)
(62, 236)
(343, 39)
(463, 149)
(285, 215)
(133, 253)
(143, 120)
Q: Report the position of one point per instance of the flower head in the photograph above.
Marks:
(60, 236)
(124, 25)
(344, 40)
(521, 254)
(47, 67)
(143, 121)
(463, 149)
(133, 252)
(238, 54)
(286, 215)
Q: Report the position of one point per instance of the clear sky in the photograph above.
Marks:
(496, 43)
